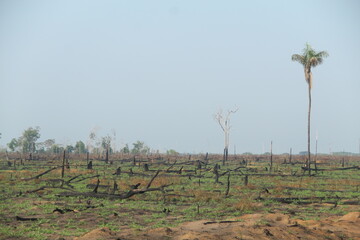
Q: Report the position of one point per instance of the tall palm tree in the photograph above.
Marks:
(310, 58)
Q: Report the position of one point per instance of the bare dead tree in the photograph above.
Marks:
(224, 122)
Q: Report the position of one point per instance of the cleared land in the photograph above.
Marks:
(178, 197)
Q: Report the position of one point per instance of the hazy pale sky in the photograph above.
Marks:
(157, 71)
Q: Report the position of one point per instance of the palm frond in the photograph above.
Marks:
(310, 58)
(307, 48)
(318, 58)
(298, 58)
(322, 54)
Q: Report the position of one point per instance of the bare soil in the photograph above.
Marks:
(251, 226)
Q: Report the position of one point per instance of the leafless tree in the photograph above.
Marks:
(224, 122)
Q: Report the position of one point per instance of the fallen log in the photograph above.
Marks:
(84, 178)
(73, 178)
(167, 170)
(304, 200)
(350, 202)
(112, 196)
(25, 219)
(97, 186)
(92, 186)
(125, 195)
(317, 190)
(65, 210)
(45, 187)
(179, 195)
(331, 169)
(152, 179)
(41, 174)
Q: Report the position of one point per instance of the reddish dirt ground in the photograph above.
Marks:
(251, 226)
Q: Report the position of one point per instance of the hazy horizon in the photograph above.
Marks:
(157, 71)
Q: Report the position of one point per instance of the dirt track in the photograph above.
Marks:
(252, 226)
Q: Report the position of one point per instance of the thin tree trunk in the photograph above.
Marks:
(271, 157)
(228, 185)
(226, 154)
(315, 158)
(290, 155)
(63, 166)
(225, 147)
(223, 162)
(309, 113)
(107, 155)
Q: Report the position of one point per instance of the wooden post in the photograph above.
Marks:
(315, 158)
(107, 156)
(67, 161)
(228, 185)
(271, 157)
(198, 164)
(225, 156)
(216, 172)
(90, 166)
(146, 167)
(115, 188)
(87, 157)
(118, 171)
(206, 159)
(63, 166)
(246, 180)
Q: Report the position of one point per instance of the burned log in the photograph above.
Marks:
(303, 200)
(331, 169)
(97, 186)
(125, 195)
(41, 174)
(25, 219)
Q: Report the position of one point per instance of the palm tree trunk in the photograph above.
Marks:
(309, 153)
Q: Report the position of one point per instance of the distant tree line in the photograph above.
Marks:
(28, 143)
